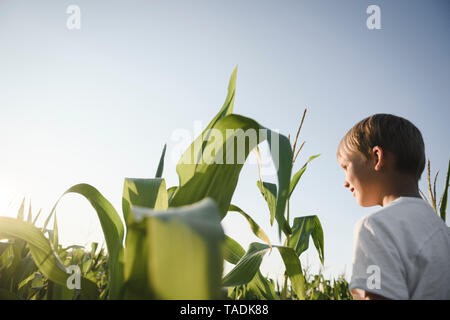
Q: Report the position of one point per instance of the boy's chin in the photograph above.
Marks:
(365, 202)
(367, 205)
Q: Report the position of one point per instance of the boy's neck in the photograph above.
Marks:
(402, 186)
(389, 198)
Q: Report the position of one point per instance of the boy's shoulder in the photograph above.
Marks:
(410, 245)
(404, 218)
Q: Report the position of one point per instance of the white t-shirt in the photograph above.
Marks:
(402, 251)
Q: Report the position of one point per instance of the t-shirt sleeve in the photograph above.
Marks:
(377, 266)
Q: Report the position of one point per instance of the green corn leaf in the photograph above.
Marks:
(299, 174)
(98, 257)
(26, 280)
(37, 216)
(46, 222)
(443, 201)
(202, 174)
(185, 259)
(259, 285)
(94, 246)
(269, 192)
(256, 229)
(293, 270)
(29, 217)
(248, 265)
(145, 193)
(267, 189)
(20, 213)
(6, 258)
(88, 291)
(25, 267)
(303, 228)
(38, 281)
(60, 292)
(217, 175)
(170, 192)
(43, 255)
(113, 231)
(54, 239)
(3, 247)
(233, 251)
(262, 288)
(86, 267)
(12, 263)
(159, 172)
(186, 167)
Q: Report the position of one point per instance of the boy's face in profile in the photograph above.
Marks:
(360, 178)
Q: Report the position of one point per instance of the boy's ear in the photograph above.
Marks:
(378, 157)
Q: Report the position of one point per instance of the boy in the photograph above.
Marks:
(401, 251)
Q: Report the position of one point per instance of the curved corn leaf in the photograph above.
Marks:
(269, 192)
(259, 285)
(113, 231)
(299, 174)
(185, 259)
(43, 255)
(199, 180)
(217, 175)
(303, 228)
(187, 165)
(248, 266)
(146, 193)
(257, 230)
(46, 260)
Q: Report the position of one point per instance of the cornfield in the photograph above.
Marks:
(168, 227)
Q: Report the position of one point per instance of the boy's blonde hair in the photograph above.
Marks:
(389, 132)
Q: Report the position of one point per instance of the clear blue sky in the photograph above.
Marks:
(96, 105)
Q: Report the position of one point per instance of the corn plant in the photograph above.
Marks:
(246, 270)
(180, 226)
(28, 260)
(318, 288)
(441, 208)
(19, 275)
